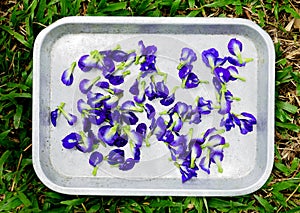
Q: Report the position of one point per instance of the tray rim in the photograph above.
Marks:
(153, 21)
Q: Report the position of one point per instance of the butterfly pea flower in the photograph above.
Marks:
(140, 97)
(178, 147)
(71, 140)
(142, 129)
(185, 70)
(150, 91)
(187, 172)
(192, 81)
(162, 90)
(129, 118)
(211, 58)
(227, 121)
(121, 141)
(86, 143)
(188, 56)
(226, 99)
(150, 110)
(235, 47)
(175, 124)
(214, 143)
(116, 156)
(112, 102)
(204, 106)
(135, 137)
(96, 100)
(108, 134)
(131, 106)
(71, 119)
(136, 154)
(159, 127)
(88, 62)
(106, 86)
(86, 85)
(170, 98)
(149, 50)
(95, 159)
(67, 77)
(127, 165)
(54, 115)
(82, 106)
(245, 121)
(97, 116)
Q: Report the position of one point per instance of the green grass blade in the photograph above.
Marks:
(18, 116)
(17, 36)
(267, 206)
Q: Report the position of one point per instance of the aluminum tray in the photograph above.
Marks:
(249, 159)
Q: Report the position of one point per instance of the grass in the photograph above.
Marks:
(21, 21)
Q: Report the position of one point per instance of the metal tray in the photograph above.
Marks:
(249, 159)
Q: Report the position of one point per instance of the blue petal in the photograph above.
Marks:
(204, 106)
(235, 46)
(185, 70)
(121, 141)
(97, 117)
(222, 74)
(192, 81)
(137, 138)
(71, 119)
(71, 140)
(67, 77)
(150, 92)
(88, 143)
(54, 115)
(209, 57)
(150, 111)
(115, 80)
(103, 84)
(235, 62)
(149, 50)
(129, 118)
(188, 55)
(205, 164)
(95, 158)
(142, 129)
(119, 55)
(128, 105)
(82, 106)
(85, 86)
(107, 134)
(227, 121)
(127, 165)
(134, 89)
(162, 90)
(136, 154)
(168, 100)
(115, 156)
(86, 63)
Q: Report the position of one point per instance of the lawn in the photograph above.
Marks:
(22, 20)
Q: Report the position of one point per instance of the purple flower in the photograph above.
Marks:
(235, 47)
(83, 107)
(118, 55)
(136, 154)
(188, 55)
(88, 62)
(225, 102)
(127, 165)
(108, 134)
(159, 127)
(134, 89)
(211, 58)
(142, 129)
(115, 156)
(227, 121)
(86, 85)
(111, 102)
(175, 123)
(186, 171)
(245, 121)
(178, 147)
(192, 81)
(54, 116)
(86, 143)
(226, 75)
(185, 70)
(67, 76)
(149, 50)
(97, 116)
(150, 111)
(214, 143)
(140, 97)
(162, 90)
(121, 141)
(115, 79)
(71, 140)
(96, 100)
(151, 91)
(168, 100)
(70, 118)
(204, 106)
(129, 118)
(95, 158)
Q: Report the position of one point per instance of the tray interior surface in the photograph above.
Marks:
(246, 161)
